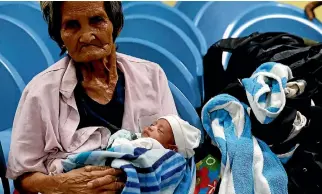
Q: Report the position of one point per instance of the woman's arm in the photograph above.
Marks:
(90, 179)
(30, 183)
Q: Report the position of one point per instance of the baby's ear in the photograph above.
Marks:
(173, 147)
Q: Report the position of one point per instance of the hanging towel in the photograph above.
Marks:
(148, 171)
(247, 165)
(265, 90)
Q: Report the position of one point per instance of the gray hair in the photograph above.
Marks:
(52, 14)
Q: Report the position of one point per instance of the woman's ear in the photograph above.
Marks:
(173, 147)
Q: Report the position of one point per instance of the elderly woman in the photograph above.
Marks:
(77, 103)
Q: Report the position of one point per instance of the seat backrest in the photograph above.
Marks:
(3, 169)
(168, 36)
(171, 15)
(281, 23)
(270, 8)
(176, 72)
(23, 48)
(185, 109)
(30, 14)
(190, 8)
(215, 16)
(11, 87)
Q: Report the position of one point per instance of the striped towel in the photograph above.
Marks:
(148, 171)
(247, 165)
(265, 90)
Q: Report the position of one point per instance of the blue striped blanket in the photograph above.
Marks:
(247, 165)
(148, 171)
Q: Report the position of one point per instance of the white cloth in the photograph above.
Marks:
(126, 137)
(144, 142)
(186, 136)
(294, 88)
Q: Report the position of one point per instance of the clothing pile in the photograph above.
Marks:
(263, 113)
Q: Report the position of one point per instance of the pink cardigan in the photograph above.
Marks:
(44, 130)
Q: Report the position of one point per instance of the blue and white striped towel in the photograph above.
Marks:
(148, 171)
(265, 90)
(247, 165)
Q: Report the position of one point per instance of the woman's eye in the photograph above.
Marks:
(96, 19)
(72, 24)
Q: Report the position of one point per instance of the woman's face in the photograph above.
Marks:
(86, 30)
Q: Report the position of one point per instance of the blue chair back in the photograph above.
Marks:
(30, 14)
(276, 23)
(215, 16)
(185, 110)
(171, 15)
(190, 8)
(169, 37)
(23, 48)
(11, 87)
(5, 187)
(264, 10)
(176, 72)
(281, 23)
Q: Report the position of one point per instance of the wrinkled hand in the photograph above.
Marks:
(90, 179)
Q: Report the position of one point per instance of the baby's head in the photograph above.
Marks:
(175, 134)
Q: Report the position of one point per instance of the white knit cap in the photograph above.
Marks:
(186, 136)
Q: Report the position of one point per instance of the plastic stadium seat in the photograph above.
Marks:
(277, 23)
(171, 15)
(169, 37)
(23, 48)
(30, 14)
(264, 10)
(215, 16)
(281, 23)
(184, 108)
(4, 187)
(190, 8)
(176, 72)
(11, 87)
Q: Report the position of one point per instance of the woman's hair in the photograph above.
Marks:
(52, 14)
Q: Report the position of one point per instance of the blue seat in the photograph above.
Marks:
(185, 109)
(277, 23)
(281, 23)
(264, 10)
(215, 16)
(11, 87)
(171, 15)
(190, 8)
(176, 72)
(30, 14)
(169, 37)
(23, 48)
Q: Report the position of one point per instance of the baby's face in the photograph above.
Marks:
(161, 131)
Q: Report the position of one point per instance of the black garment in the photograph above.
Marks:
(250, 52)
(92, 113)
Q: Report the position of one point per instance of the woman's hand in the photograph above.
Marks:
(309, 9)
(90, 179)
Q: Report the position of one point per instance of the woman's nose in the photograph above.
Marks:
(87, 36)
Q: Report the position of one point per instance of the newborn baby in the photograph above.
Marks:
(168, 132)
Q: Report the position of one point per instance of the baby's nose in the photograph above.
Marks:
(152, 128)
